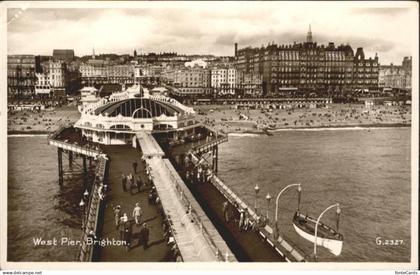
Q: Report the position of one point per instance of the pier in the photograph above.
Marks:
(191, 232)
(158, 142)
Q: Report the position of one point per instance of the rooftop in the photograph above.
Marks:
(139, 108)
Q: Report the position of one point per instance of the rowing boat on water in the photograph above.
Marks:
(326, 236)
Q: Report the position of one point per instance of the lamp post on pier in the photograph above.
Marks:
(268, 198)
(278, 197)
(317, 222)
(257, 190)
(82, 208)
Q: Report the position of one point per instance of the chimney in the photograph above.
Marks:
(236, 49)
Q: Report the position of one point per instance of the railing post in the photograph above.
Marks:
(60, 165)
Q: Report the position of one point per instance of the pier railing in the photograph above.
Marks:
(91, 215)
(74, 147)
(179, 186)
(83, 150)
(210, 143)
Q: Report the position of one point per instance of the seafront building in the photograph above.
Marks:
(188, 82)
(223, 80)
(215, 81)
(309, 67)
(55, 79)
(396, 76)
(21, 76)
(100, 73)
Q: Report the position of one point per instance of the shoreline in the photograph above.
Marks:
(270, 132)
(259, 132)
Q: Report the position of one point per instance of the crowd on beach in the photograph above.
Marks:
(228, 119)
(43, 121)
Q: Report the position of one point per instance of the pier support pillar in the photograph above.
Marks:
(217, 159)
(60, 165)
(70, 159)
(84, 165)
(84, 170)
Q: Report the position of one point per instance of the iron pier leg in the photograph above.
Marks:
(70, 159)
(84, 169)
(60, 165)
(217, 158)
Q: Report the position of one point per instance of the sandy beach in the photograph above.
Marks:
(42, 122)
(227, 119)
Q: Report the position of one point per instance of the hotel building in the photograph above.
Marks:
(309, 67)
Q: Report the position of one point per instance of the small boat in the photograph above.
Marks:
(326, 236)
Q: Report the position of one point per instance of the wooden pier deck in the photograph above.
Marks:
(248, 246)
(121, 159)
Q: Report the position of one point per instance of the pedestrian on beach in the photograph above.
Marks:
(138, 183)
(124, 182)
(135, 166)
(144, 236)
(137, 213)
(117, 213)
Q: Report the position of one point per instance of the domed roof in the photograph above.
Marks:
(138, 108)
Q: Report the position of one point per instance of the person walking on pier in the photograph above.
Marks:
(226, 210)
(132, 184)
(123, 225)
(117, 212)
(124, 182)
(137, 213)
(127, 238)
(241, 219)
(138, 183)
(135, 166)
(144, 236)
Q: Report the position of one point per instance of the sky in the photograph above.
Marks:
(211, 27)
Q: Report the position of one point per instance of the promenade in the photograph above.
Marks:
(121, 159)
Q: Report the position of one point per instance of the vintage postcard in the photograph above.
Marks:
(283, 133)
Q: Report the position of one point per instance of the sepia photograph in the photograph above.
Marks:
(273, 132)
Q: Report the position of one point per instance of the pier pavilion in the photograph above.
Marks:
(117, 119)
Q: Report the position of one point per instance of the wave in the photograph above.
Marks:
(350, 128)
(243, 135)
(27, 135)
